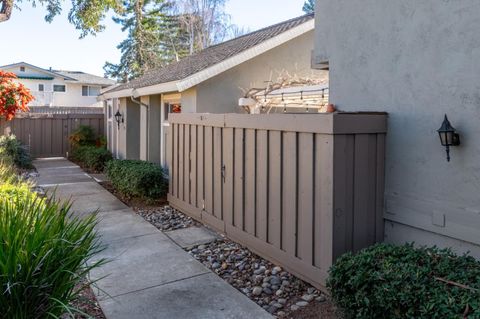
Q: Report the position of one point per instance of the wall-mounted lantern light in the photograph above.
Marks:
(448, 136)
(119, 118)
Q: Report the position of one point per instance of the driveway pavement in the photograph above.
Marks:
(149, 275)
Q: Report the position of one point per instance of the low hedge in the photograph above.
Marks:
(92, 157)
(387, 281)
(134, 178)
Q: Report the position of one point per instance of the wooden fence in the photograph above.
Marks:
(298, 189)
(47, 134)
(66, 110)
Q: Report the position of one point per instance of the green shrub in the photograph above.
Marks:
(13, 149)
(387, 281)
(43, 254)
(97, 157)
(138, 178)
(92, 157)
(82, 136)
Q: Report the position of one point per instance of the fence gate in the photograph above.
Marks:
(47, 134)
(298, 189)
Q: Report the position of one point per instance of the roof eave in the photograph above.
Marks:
(156, 89)
(244, 56)
(115, 94)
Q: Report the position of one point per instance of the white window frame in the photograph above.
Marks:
(43, 87)
(53, 88)
(88, 90)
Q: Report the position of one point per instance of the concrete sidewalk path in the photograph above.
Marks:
(149, 275)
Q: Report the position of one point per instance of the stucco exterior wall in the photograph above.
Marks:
(129, 132)
(189, 100)
(221, 93)
(417, 60)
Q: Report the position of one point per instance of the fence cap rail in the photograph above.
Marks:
(323, 123)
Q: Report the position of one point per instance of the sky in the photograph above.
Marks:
(27, 37)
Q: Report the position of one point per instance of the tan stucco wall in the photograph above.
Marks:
(221, 93)
(189, 100)
(150, 125)
(417, 60)
(129, 132)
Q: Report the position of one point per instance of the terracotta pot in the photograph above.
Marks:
(331, 108)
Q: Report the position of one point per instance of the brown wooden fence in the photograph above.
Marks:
(298, 189)
(47, 134)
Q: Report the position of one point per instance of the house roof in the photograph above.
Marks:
(86, 78)
(250, 45)
(75, 76)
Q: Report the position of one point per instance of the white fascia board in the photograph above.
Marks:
(115, 94)
(246, 55)
(156, 89)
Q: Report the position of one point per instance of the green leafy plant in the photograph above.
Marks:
(91, 157)
(387, 281)
(43, 254)
(136, 178)
(11, 149)
(84, 135)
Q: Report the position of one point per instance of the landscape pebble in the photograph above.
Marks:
(166, 218)
(268, 285)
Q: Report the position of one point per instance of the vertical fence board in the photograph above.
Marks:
(305, 197)
(343, 193)
(217, 173)
(379, 187)
(261, 186)
(193, 166)
(200, 167)
(323, 218)
(181, 161)
(176, 176)
(238, 182)
(170, 155)
(186, 164)
(275, 189)
(289, 213)
(228, 192)
(208, 162)
(250, 187)
(364, 190)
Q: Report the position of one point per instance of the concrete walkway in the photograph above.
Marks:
(149, 276)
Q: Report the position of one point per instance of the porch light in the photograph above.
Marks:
(119, 118)
(448, 136)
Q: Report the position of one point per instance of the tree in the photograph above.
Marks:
(309, 6)
(204, 21)
(160, 32)
(14, 96)
(85, 15)
(145, 21)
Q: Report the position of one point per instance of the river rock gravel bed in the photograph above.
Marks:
(274, 289)
(166, 218)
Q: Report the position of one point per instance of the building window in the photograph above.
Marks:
(171, 108)
(22, 69)
(59, 88)
(88, 90)
(41, 88)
